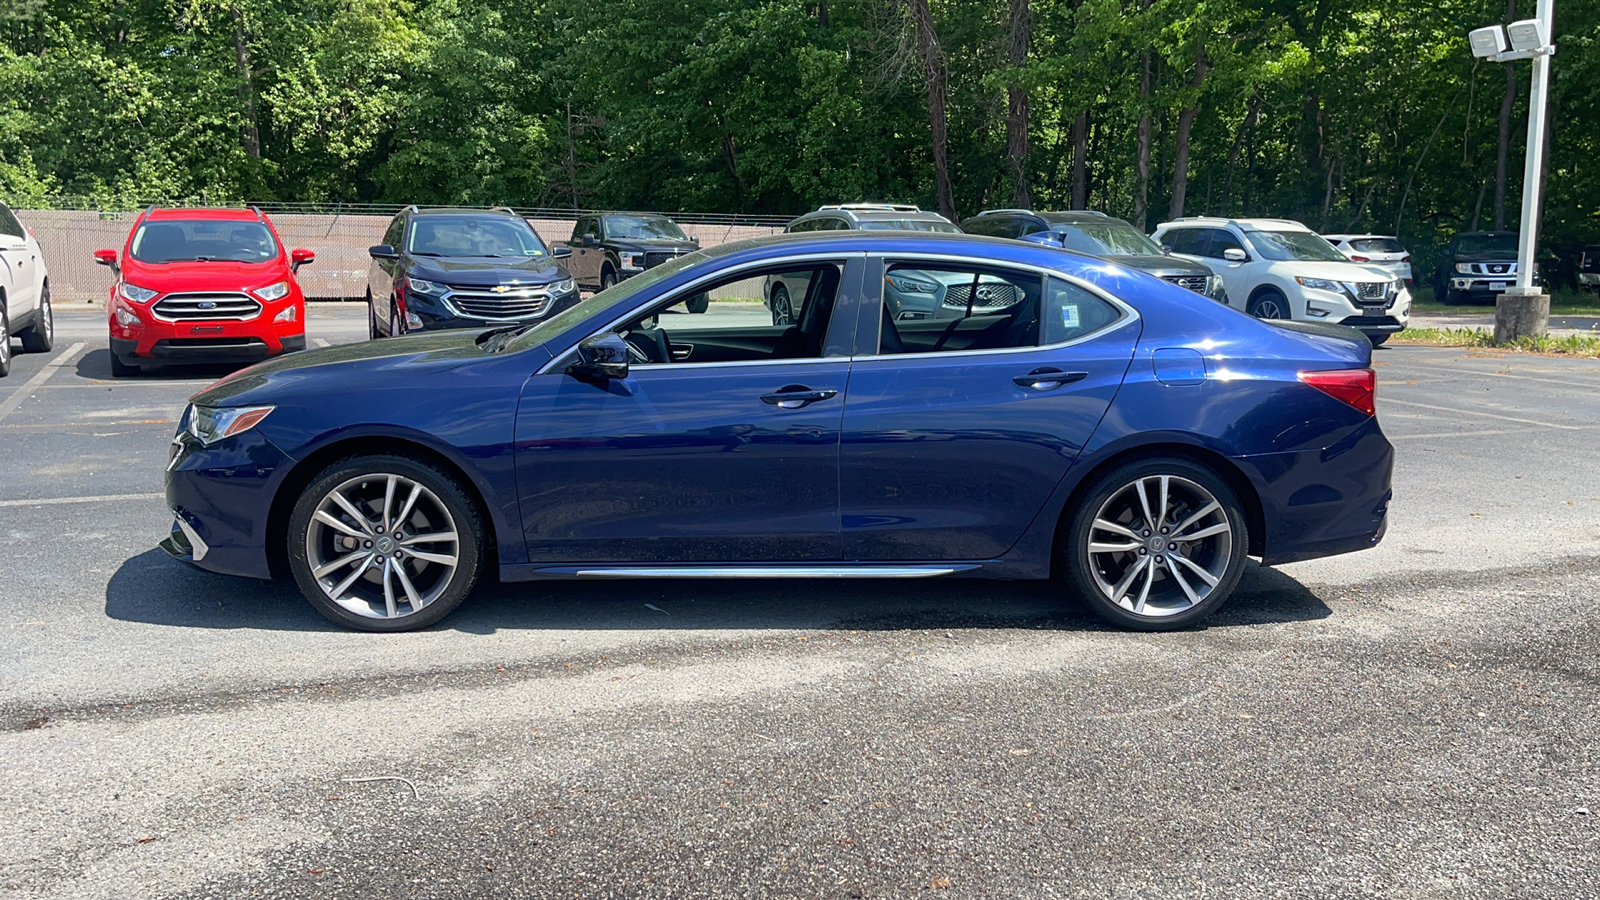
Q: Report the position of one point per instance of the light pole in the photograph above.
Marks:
(1524, 310)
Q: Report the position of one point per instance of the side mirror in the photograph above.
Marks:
(695, 240)
(590, 240)
(561, 252)
(298, 258)
(1234, 254)
(602, 356)
(1167, 249)
(106, 258)
(383, 251)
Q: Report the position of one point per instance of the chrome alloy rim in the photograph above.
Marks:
(1268, 308)
(5, 339)
(382, 546)
(1159, 545)
(47, 322)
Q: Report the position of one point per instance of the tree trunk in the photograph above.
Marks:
(1180, 154)
(1252, 110)
(1080, 161)
(250, 130)
(934, 78)
(1141, 182)
(1506, 107)
(1477, 208)
(1017, 108)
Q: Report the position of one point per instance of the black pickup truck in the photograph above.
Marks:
(1477, 267)
(609, 247)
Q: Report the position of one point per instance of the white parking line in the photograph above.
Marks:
(319, 342)
(22, 393)
(1590, 385)
(103, 498)
(1481, 415)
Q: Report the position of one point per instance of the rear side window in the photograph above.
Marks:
(1186, 240)
(940, 308)
(9, 224)
(1071, 311)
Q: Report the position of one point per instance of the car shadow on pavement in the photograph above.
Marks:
(96, 364)
(155, 589)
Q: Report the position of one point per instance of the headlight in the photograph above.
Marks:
(1214, 287)
(212, 424)
(424, 287)
(1464, 268)
(1320, 284)
(273, 291)
(631, 260)
(906, 285)
(137, 294)
(565, 286)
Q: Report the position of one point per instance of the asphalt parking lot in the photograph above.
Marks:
(1419, 720)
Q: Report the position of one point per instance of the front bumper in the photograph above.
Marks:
(221, 500)
(206, 341)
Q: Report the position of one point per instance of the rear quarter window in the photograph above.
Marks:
(1072, 311)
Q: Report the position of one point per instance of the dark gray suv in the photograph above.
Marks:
(1097, 234)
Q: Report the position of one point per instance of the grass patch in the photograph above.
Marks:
(1581, 345)
(1562, 303)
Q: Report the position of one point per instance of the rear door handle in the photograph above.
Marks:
(795, 396)
(1048, 379)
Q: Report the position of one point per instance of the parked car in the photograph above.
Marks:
(610, 247)
(203, 286)
(1477, 267)
(1384, 251)
(1589, 268)
(1100, 235)
(462, 268)
(1025, 443)
(24, 291)
(1280, 269)
(784, 293)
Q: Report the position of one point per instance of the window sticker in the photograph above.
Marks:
(1069, 317)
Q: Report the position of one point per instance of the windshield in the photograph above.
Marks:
(1286, 245)
(909, 225)
(536, 333)
(1486, 244)
(203, 241)
(473, 236)
(1376, 245)
(646, 228)
(1106, 239)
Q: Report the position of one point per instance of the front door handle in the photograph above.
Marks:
(1048, 379)
(794, 396)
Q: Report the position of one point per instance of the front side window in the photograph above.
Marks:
(9, 224)
(391, 235)
(475, 236)
(203, 241)
(1108, 239)
(1223, 240)
(646, 228)
(956, 308)
(1281, 246)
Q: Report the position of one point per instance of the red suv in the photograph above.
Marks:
(203, 286)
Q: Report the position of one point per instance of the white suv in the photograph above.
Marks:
(1279, 269)
(24, 291)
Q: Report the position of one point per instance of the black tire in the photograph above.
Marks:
(782, 308)
(42, 336)
(361, 477)
(607, 278)
(1377, 340)
(372, 319)
(1270, 305)
(120, 369)
(394, 319)
(699, 303)
(1156, 600)
(5, 343)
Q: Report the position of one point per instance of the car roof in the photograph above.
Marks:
(190, 214)
(875, 212)
(461, 211)
(1359, 237)
(1241, 224)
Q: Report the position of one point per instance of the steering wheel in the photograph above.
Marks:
(649, 346)
(663, 346)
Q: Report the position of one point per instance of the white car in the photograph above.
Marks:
(24, 291)
(1383, 250)
(1280, 269)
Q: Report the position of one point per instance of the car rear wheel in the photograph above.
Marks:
(394, 319)
(782, 310)
(42, 336)
(1269, 305)
(1156, 544)
(5, 343)
(385, 543)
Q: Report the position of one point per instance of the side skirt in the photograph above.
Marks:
(530, 572)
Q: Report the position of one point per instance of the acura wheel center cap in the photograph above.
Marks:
(385, 545)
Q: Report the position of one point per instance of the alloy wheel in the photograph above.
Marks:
(5, 343)
(1159, 545)
(1269, 307)
(382, 546)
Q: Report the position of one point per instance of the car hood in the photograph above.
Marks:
(1486, 257)
(489, 271)
(1160, 265)
(185, 277)
(642, 245)
(410, 355)
(1336, 271)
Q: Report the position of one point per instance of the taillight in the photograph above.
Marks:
(1360, 259)
(1356, 387)
(1405, 259)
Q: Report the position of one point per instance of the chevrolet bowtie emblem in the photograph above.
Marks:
(500, 288)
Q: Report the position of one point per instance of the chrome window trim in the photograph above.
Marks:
(689, 288)
(1129, 313)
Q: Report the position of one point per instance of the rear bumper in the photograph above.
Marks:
(1324, 502)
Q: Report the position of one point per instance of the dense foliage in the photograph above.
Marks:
(1347, 114)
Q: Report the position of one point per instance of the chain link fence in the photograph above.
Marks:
(340, 239)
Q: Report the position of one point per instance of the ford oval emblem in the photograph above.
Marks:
(207, 304)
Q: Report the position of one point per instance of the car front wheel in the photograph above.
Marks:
(385, 543)
(1270, 305)
(42, 336)
(1156, 544)
(782, 310)
(5, 343)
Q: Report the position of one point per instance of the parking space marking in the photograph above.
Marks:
(50, 368)
(1454, 434)
(103, 498)
(319, 342)
(1591, 385)
(1482, 415)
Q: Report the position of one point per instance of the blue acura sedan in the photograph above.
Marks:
(1072, 419)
